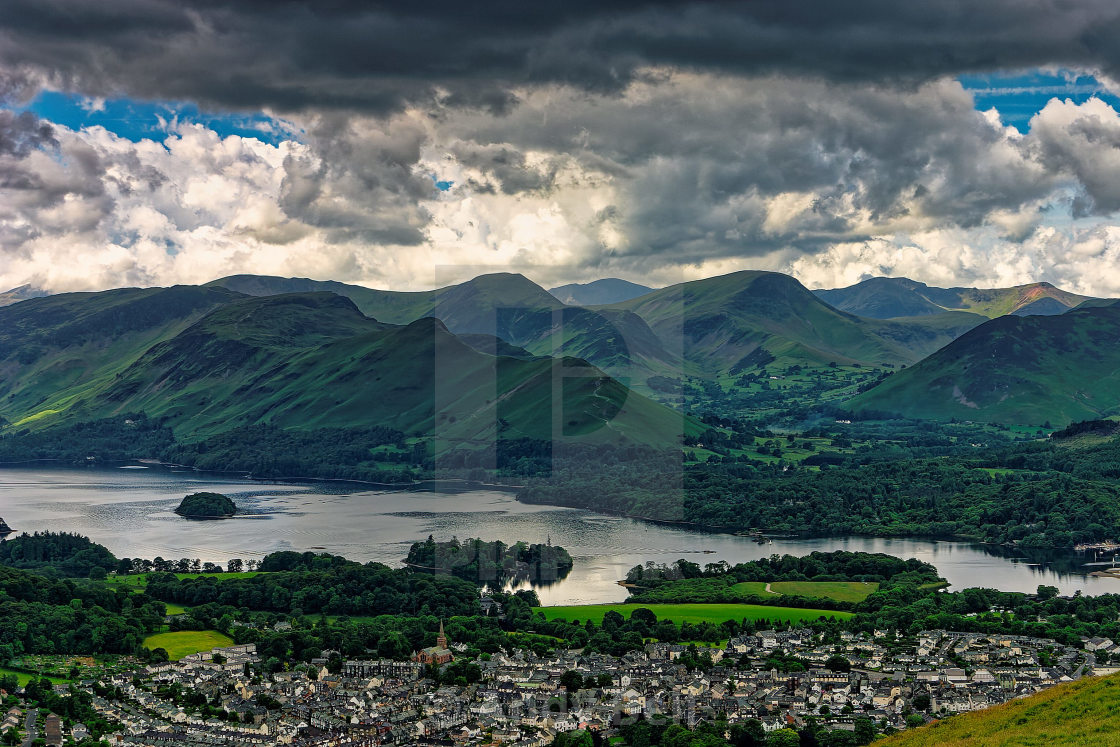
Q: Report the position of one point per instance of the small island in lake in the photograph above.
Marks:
(206, 506)
(4, 528)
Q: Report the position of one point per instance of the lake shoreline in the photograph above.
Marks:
(130, 512)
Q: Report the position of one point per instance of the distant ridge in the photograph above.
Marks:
(887, 298)
(599, 292)
(717, 326)
(22, 293)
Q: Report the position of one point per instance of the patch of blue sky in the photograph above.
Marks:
(1019, 96)
(152, 120)
(442, 184)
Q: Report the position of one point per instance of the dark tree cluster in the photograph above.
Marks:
(343, 588)
(491, 563)
(206, 506)
(47, 616)
(57, 554)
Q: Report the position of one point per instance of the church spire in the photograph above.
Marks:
(441, 639)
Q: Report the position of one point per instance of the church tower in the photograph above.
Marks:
(441, 639)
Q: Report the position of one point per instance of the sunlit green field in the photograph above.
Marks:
(24, 677)
(187, 642)
(691, 613)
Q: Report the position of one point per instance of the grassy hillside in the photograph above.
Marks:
(314, 360)
(60, 351)
(1014, 370)
(393, 307)
(1077, 713)
(886, 298)
(486, 304)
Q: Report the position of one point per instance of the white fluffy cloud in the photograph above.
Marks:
(681, 175)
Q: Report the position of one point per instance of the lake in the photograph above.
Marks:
(130, 511)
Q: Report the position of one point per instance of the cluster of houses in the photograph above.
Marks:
(519, 699)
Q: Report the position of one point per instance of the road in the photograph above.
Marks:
(29, 732)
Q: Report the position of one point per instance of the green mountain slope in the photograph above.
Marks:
(732, 322)
(58, 351)
(1076, 713)
(886, 298)
(314, 360)
(1015, 370)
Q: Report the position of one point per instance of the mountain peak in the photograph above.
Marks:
(599, 292)
(21, 293)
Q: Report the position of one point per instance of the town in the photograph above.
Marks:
(871, 682)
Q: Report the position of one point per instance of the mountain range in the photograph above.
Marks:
(208, 359)
(477, 360)
(886, 298)
(713, 327)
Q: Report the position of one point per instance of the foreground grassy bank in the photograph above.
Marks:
(691, 613)
(1077, 713)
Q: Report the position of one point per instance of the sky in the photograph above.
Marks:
(407, 146)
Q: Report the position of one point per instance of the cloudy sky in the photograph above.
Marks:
(150, 142)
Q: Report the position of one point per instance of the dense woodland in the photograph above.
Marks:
(43, 615)
(1032, 495)
(57, 554)
(374, 454)
(351, 589)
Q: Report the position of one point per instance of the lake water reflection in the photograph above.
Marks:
(130, 512)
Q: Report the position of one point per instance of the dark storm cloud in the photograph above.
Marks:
(291, 55)
(361, 183)
(698, 160)
(21, 133)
